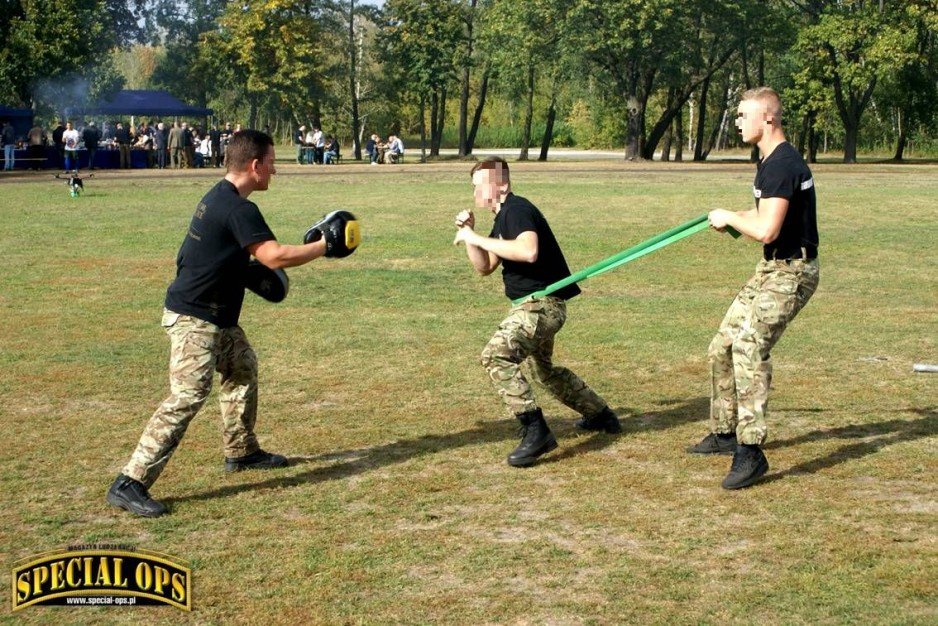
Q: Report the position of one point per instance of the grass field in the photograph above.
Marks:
(399, 507)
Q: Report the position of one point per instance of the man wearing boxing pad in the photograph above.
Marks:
(201, 314)
(522, 242)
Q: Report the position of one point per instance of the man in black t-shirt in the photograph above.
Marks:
(785, 221)
(201, 314)
(522, 242)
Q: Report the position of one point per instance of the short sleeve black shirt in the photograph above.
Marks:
(212, 262)
(784, 174)
(516, 216)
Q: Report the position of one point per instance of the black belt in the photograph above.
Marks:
(806, 253)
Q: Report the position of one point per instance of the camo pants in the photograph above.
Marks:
(526, 338)
(741, 365)
(198, 350)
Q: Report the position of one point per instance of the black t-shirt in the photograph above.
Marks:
(516, 216)
(784, 174)
(212, 262)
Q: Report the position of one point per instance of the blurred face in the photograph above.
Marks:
(752, 118)
(265, 169)
(490, 186)
(68, 126)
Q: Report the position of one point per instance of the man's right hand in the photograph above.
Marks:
(465, 218)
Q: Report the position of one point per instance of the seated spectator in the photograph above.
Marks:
(381, 148)
(331, 155)
(395, 150)
(371, 148)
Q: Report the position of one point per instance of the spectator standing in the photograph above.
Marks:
(91, 136)
(189, 143)
(70, 139)
(122, 137)
(175, 146)
(214, 139)
(159, 145)
(35, 153)
(298, 140)
(371, 148)
(319, 144)
(59, 143)
(9, 146)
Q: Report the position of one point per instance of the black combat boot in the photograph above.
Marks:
(604, 420)
(749, 465)
(715, 443)
(536, 439)
(255, 460)
(131, 495)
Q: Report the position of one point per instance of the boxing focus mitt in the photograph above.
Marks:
(271, 285)
(340, 230)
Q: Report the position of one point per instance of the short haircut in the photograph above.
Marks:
(767, 96)
(245, 146)
(492, 163)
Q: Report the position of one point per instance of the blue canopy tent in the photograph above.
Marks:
(22, 119)
(141, 102)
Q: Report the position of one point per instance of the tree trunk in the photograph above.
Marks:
(813, 141)
(701, 120)
(353, 82)
(477, 118)
(436, 138)
(760, 80)
(464, 95)
(679, 132)
(463, 110)
(548, 128)
(252, 113)
(851, 131)
(434, 108)
(803, 134)
(423, 128)
(900, 144)
(528, 116)
(666, 146)
(719, 120)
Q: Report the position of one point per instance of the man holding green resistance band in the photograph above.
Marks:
(521, 242)
(785, 221)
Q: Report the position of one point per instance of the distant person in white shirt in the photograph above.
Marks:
(70, 139)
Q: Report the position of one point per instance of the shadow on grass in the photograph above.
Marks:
(360, 460)
(886, 434)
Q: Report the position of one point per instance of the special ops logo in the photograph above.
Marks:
(101, 575)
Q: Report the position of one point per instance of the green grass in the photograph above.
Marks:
(399, 507)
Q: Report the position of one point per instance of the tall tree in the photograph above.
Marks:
(522, 40)
(50, 50)
(277, 48)
(421, 38)
(638, 44)
(852, 44)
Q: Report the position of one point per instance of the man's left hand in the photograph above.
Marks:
(718, 218)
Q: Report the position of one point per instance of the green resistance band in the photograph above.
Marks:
(646, 247)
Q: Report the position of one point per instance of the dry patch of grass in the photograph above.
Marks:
(399, 507)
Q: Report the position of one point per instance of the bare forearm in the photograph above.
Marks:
(480, 259)
(285, 255)
(509, 249)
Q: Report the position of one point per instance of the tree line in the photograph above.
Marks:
(652, 77)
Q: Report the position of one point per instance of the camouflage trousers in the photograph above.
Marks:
(740, 362)
(199, 349)
(525, 340)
